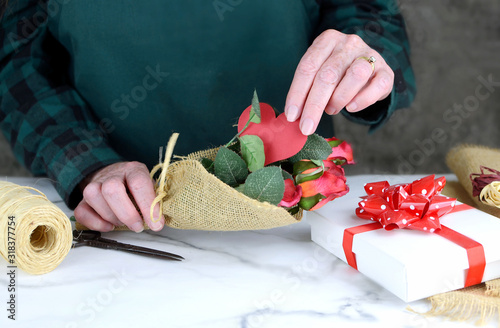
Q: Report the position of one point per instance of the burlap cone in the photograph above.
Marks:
(192, 198)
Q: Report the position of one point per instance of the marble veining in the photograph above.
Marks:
(247, 279)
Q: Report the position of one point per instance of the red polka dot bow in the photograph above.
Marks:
(415, 205)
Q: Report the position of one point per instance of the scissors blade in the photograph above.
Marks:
(133, 249)
(123, 246)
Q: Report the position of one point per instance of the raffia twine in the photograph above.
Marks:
(43, 233)
(192, 198)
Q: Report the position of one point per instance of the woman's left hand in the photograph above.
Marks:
(334, 73)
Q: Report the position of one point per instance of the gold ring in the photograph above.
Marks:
(371, 60)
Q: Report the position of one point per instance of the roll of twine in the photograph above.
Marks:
(40, 236)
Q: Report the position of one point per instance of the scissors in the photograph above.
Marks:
(93, 239)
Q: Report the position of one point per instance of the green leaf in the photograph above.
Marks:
(302, 166)
(316, 148)
(316, 174)
(318, 162)
(308, 202)
(230, 168)
(252, 151)
(293, 210)
(255, 111)
(208, 164)
(234, 146)
(240, 188)
(266, 185)
(335, 143)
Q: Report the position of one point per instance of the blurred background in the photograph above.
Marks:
(455, 52)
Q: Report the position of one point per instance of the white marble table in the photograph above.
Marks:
(272, 278)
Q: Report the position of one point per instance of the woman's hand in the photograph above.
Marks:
(106, 201)
(331, 75)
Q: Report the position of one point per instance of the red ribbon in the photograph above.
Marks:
(414, 206)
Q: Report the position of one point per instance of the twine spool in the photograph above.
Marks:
(43, 233)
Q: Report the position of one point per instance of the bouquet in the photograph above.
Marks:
(262, 178)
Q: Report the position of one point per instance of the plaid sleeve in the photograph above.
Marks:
(380, 24)
(49, 127)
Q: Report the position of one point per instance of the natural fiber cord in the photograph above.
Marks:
(41, 233)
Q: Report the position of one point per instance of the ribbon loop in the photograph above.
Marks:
(415, 206)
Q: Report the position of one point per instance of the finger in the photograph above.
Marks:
(94, 198)
(115, 194)
(141, 187)
(86, 215)
(356, 77)
(329, 76)
(379, 87)
(306, 71)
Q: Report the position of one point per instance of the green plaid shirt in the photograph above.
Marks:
(54, 119)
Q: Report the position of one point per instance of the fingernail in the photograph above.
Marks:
(307, 126)
(351, 107)
(157, 226)
(330, 110)
(292, 113)
(138, 227)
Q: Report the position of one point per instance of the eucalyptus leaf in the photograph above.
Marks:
(252, 151)
(255, 118)
(315, 148)
(266, 185)
(230, 168)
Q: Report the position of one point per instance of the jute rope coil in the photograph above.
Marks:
(41, 233)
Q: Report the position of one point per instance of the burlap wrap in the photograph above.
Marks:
(196, 199)
(193, 198)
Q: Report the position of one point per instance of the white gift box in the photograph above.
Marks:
(411, 264)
